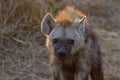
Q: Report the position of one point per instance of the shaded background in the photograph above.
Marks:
(23, 54)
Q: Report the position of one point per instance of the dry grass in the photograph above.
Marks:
(22, 50)
(21, 42)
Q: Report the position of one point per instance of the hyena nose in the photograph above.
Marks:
(62, 52)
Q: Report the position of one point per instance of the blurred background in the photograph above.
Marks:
(23, 54)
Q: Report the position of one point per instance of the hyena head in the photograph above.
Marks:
(65, 38)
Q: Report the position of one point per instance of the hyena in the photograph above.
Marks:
(73, 48)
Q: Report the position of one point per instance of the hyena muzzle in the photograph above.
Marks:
(74, 53)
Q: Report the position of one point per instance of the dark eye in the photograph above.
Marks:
(71, 41)
(55, 41)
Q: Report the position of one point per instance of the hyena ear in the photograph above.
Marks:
(81, 26)
(47, 24)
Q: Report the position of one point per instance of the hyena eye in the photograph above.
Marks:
(71, 41)
(55, 41)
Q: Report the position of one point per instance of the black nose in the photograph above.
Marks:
(61, 54)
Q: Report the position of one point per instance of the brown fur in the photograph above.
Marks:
(66, 14)
(81, 60)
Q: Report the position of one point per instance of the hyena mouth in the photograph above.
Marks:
(62, 56)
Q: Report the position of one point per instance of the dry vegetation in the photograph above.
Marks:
(23, 55)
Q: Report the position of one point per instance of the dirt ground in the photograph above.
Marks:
(23, 55)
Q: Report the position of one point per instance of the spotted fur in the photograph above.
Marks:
(73, 48)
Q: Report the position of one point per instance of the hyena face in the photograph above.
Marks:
(63, 38)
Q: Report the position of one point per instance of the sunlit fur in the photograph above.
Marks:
(69, 14)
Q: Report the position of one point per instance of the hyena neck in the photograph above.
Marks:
(80, 51)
